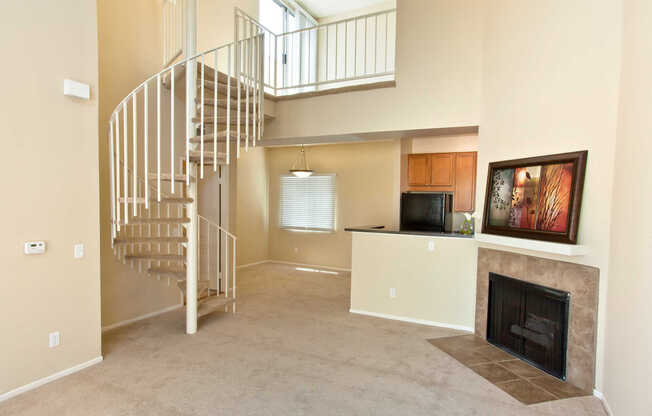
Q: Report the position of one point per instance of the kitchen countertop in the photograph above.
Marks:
(382, 229)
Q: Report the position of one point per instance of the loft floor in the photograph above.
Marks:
(292, 349)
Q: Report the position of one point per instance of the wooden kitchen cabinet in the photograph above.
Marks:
(445, 172)
(442, 169)
(418, 173)
(465, 170)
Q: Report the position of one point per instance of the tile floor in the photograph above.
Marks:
(519, 379)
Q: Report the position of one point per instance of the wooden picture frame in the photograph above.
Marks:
(543, 200)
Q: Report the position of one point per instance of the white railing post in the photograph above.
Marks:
(191, 92)
(112, 185)
(238, 56)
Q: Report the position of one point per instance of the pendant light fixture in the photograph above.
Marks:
(300, 168)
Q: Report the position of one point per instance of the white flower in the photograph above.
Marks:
(467, 216)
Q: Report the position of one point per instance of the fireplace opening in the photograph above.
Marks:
(530, 322)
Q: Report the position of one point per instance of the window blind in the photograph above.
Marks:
(308, 203)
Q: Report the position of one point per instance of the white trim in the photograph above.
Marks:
(315, 266)
(256, 263)
(38, 383)
(413, 320)
(600, 396)
(140, 318)
(534, 245)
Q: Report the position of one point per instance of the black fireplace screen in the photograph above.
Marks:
(529, 321)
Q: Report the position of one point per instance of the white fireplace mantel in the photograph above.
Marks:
(534, 245)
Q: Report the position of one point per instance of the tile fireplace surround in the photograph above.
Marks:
(579, 280)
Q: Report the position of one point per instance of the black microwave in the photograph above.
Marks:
(427, 211)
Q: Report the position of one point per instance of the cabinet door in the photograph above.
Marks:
(442, 169)
(465, 169)
(418, 169)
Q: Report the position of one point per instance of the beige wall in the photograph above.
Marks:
(436, 286)
(215, 21)
(51, 173)
(551, 74)
(252, 222)
(130, 50)
(628, 336)
(447, 143)
(367, 193)
(438, 64)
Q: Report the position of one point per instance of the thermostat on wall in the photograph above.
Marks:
(35, 247)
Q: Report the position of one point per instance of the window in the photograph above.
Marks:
(308, 203)
(297, 60)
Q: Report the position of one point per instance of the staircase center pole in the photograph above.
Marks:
(190, 49)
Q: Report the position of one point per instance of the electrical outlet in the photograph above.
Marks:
(79, 251)
(431, 245)
(392, 292)
(55, 338)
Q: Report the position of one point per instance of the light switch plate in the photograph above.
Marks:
(392, 292)
(54, 339)
(79, 251)
(431, 245)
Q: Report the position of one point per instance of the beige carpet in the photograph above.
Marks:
(292, 349)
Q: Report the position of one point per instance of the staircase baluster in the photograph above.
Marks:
(226, 266)
(254, 72)
(135, 155)
(126, 160)
(112, 173)
(146, 144)
(117, 165)
(261, 100)
(172, 177)
(189, 67)
(158, 138)
(233, 267)
(246, 79)
(216, 79)
(228, 108)
(201, 126)
(238, 52)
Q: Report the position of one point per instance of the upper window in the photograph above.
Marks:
(308, 204)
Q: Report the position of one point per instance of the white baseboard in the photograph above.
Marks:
(314, 266)
(38, 383)
(140, 318)
(243, 266)
(413, 320)
(600, 396)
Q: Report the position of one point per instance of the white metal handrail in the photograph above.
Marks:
(217, 256)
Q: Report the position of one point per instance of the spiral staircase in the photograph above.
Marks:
(191, 118)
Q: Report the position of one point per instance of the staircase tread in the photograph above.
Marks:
(139, 200)
(155, 256)
(178, 177)
(150, 239)
(212, 304)
(172, 220)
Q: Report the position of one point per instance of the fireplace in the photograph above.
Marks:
(580, 281)
(529, 321)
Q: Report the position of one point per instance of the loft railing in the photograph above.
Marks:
(346, 52)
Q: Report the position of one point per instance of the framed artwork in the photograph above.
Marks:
(536, 197)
